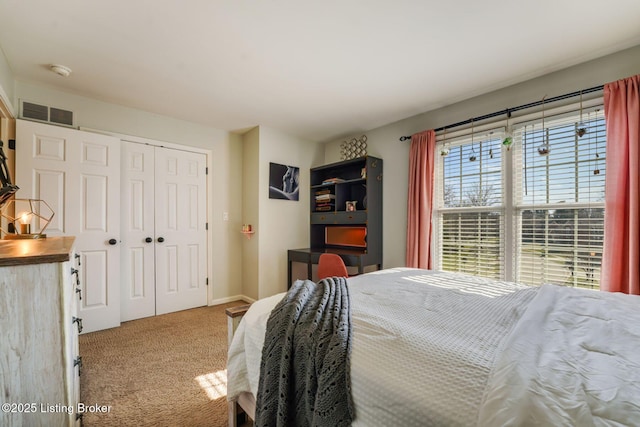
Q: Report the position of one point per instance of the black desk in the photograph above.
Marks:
(351, 257)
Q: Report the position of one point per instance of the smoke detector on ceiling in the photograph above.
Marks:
(60, 70)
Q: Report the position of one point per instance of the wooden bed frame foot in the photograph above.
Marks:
(237, 416)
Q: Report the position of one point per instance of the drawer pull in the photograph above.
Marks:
(77, 273)
(78, 362)
(79, 322)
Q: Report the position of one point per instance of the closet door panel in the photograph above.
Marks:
(95, 296)
(193, 271)
(49, 186)
(49, 147)
(94, 203)
(138, 254)
(168, 283)
(95, 214)
(78, 174)
(180, 223)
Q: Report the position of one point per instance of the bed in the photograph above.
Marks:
(436, 348)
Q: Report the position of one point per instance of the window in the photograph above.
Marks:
(560, 200)
(471, 214)
(541, 223)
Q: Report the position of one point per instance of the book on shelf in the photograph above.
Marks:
(324, 208)
(332, 180)
(325, 196)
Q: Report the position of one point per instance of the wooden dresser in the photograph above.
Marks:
(39, 361)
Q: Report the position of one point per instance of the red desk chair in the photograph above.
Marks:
(330, 265)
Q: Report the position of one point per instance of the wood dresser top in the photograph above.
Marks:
(35, 251)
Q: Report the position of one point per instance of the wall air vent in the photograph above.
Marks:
(35, 111)
(43, 113)
(59, 116)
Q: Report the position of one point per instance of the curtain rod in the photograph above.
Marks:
(508, 111)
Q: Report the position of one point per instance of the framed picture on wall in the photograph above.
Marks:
(283, 181)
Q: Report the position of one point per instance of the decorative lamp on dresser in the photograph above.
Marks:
(39, 360)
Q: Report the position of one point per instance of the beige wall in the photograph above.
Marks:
(283, 224)
(7, 132)
(6, 83)
(7, 122)
(384, 142)
(279, 224)
(227, 178)
(251, 212)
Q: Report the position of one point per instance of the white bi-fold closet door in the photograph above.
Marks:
(78, 174)
(163, 222)
(104, 193)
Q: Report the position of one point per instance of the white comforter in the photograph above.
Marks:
(573, 359)
(434, 348)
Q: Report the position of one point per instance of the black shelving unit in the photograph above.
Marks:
(332, 186)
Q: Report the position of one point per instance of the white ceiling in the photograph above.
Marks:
(319, 70)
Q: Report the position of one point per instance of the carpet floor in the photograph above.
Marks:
(167, 370)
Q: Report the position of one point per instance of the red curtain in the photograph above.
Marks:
(419, 206)
(621, 252)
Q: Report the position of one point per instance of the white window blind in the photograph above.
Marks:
(516, 214)
(470, 214)
(560, 199)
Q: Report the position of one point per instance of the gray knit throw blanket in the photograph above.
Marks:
(305, 371)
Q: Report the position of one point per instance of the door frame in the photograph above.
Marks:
(209, 181)
(7, 132)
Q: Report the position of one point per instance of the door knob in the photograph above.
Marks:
(112, 241)
(160, 239)
(148, 240)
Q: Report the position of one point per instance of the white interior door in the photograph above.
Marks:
(78, 174)
(180, 220)
(138, 232)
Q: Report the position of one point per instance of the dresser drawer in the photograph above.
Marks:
(323, 218)
(354, 217)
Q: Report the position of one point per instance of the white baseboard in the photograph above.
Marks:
(231, 299)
